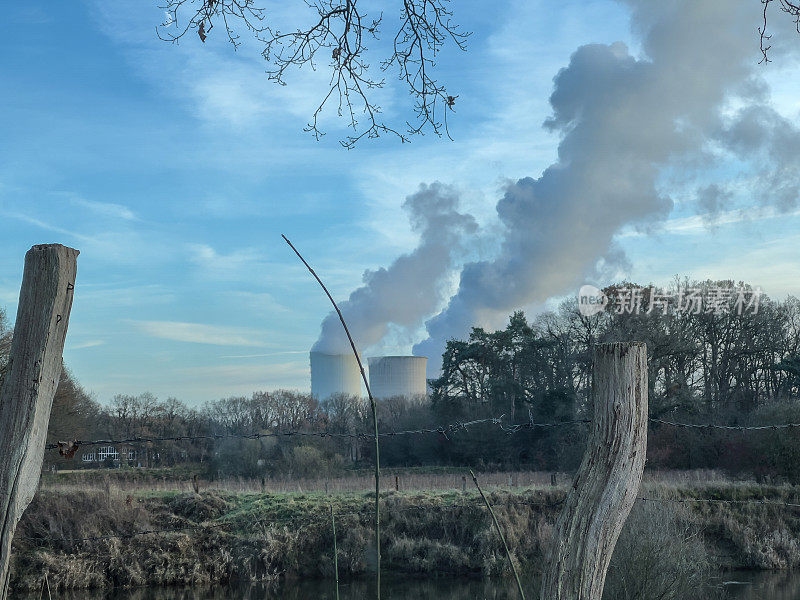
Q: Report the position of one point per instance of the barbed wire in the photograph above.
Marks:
(69, 448)
(759, 501)
(725, 427)
(440, 429)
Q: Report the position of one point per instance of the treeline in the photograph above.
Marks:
(725, 366)
(299, 433)
(699, 362)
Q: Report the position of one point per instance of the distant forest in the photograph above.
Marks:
(723, 366)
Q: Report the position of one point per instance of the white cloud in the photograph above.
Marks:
(701, 223)
(497, 126)
(9, 296)
(106, 209)
(198, 333)
(261, 303)
(87, 344)
(231, 266)
(126, 245)
(47, 226)
(197, 383)
(222, 87)
(770, 265)
(265, 355)
(118, 296)
(227, 380)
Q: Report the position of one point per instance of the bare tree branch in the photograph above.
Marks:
(339, 35)
(791, 8)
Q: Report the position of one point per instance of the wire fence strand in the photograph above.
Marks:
(725, 427)
(444, 430)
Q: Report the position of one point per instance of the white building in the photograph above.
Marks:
(334, 374)
(398, 376)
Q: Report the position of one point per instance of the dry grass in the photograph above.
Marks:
(247, 535)
(407, 480)
(255, 536)
(137, 480)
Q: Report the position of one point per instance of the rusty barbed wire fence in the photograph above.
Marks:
(725, 427)
(451, 428)
(66, 447)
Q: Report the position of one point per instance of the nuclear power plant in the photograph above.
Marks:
(334, 374)
(389, 376)
(397, 376)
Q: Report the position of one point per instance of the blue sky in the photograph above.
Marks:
(174, 169)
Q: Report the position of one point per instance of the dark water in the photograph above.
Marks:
(734, 586)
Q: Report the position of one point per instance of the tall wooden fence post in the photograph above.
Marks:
(29, 383)
(608, 479)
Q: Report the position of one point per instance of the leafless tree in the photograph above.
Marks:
(338, 34)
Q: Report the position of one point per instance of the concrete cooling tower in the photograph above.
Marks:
(334, 374)
(397, 376)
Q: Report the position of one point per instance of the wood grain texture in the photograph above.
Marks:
(29, 383)
(608, 479)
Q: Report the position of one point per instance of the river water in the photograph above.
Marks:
(740, 585)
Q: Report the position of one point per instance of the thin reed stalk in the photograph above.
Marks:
(500, 533)
(335, 552)
(374, 417)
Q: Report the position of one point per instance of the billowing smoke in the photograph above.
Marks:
(412, 287)
(623, 121)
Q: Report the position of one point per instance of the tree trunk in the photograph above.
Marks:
(608, 479)
(29, 384)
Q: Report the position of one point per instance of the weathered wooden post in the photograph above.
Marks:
(30, 381)
(608, 479)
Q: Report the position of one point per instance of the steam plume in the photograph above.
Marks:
(622, 119)
(411, 287)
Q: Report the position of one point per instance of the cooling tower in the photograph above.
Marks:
(397, 376)
(334, 374)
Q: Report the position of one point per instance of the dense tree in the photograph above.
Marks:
(700, 360)
(74, 411)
